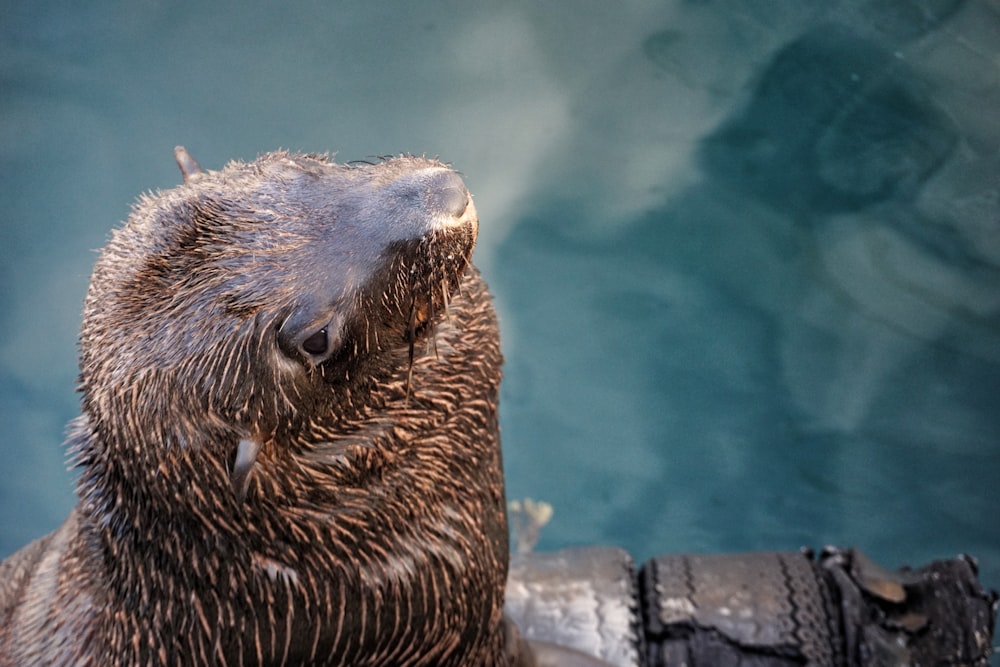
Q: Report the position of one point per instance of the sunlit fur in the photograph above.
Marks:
(373, 529)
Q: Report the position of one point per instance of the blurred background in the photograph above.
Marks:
(746, 254)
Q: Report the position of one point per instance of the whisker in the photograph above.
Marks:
(432, 313)
(445, 297)
(412, 336)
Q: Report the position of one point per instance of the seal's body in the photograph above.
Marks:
(288, 446)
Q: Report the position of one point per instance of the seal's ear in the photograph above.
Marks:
(246, 455)
(189, 166)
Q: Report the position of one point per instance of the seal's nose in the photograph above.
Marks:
(431, 198)
(451, 197)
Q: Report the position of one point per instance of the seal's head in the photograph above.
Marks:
(251, 296)
(289, 451)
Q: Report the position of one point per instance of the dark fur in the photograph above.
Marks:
(373, 529)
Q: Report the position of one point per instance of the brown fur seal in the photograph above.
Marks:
(288, 446)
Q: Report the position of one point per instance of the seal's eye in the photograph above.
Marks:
(317, 343)
(303, 341)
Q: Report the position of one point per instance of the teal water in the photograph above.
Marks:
(746, 254)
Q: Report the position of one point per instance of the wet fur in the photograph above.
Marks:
(372, 530)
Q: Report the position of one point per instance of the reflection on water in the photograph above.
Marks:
(747, 255)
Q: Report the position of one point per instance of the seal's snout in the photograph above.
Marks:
(450, 201)
(454, 202)
(452, 198)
